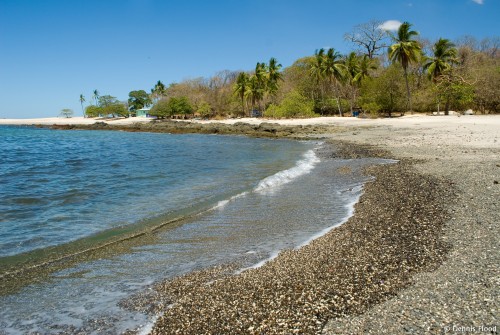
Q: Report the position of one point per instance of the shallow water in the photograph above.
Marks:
(249, 199)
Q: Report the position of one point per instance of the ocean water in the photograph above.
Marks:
(200, 200)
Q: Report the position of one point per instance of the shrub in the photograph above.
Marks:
(293, 105)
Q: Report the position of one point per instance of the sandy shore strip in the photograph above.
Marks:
(420, 255)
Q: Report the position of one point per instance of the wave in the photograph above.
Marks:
(273, 255)
(269, 184)
(303, 166)
(350, 212)
(221, 204)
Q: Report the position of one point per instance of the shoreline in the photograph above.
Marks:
(453, 168)
(301, 289)
(454, 165)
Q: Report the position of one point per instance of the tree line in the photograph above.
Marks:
(385, 73)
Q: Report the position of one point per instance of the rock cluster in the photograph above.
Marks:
(264, 129)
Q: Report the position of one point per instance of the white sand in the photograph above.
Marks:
(473, 130)
(70, 121)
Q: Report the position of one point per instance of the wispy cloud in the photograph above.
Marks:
(479, 2)
(392, 25)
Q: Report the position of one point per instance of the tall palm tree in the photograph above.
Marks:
(96, 97)
(316, 70)
(405, 50)
(335, 71)
(445, 54)
(158, 91)
(82, 100)
(366, 64)
(255, 90)
(352, 66)
(273, 76)
(258, 83)
(241, 87)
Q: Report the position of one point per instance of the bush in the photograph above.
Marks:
(293, 105)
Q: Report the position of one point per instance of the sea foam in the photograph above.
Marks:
(303, 166)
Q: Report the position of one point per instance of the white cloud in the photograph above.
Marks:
(392, 25)
(479, 2)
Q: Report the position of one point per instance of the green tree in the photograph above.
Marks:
(274, 76)
(255, 91)
(138, 100)
(445, 54)
(93, 111)
(438, 66)
(158, 91)
(365, 66)
(66, 112)
(205, 110)
(294, 105)
(161, 109)
(384, 93)
(405, 51)
(316, 71)
(115, 109)
(96, 97)
(358, 69)
(82, 100)
(109, 105)
(180, 106)
(241, 87)
(106, 100)
(334, 71)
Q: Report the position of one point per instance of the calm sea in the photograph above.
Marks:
(202, 199)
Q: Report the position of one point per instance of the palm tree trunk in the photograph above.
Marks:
(338, 105)
(408, 91)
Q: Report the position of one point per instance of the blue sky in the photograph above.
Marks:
(52, 51)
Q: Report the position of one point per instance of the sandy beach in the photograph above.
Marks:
(419, 256)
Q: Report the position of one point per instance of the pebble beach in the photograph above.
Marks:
(419, 255)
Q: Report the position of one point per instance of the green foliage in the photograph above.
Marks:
(294, 105)
(205, 110)
(161, 109)
(93, 111)
(372, 108)
(445, 54)
(115, 109)
(180, 106)
(66, 112)
(405, 51)
(172, 106)
(138, 99)
(328, 83)
(106, 105)
(106, 100)
(385, 92)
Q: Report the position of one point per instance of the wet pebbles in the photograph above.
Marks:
(397, 232)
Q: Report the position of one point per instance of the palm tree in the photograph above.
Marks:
(334, 70)
(405, 50)
(96, 96)
(316, 70)
(445, 54)
(273, 76)
(258, 83)
(158, 91)
(82, 100)
(241, 88)
(366, 64)
(255, 90)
